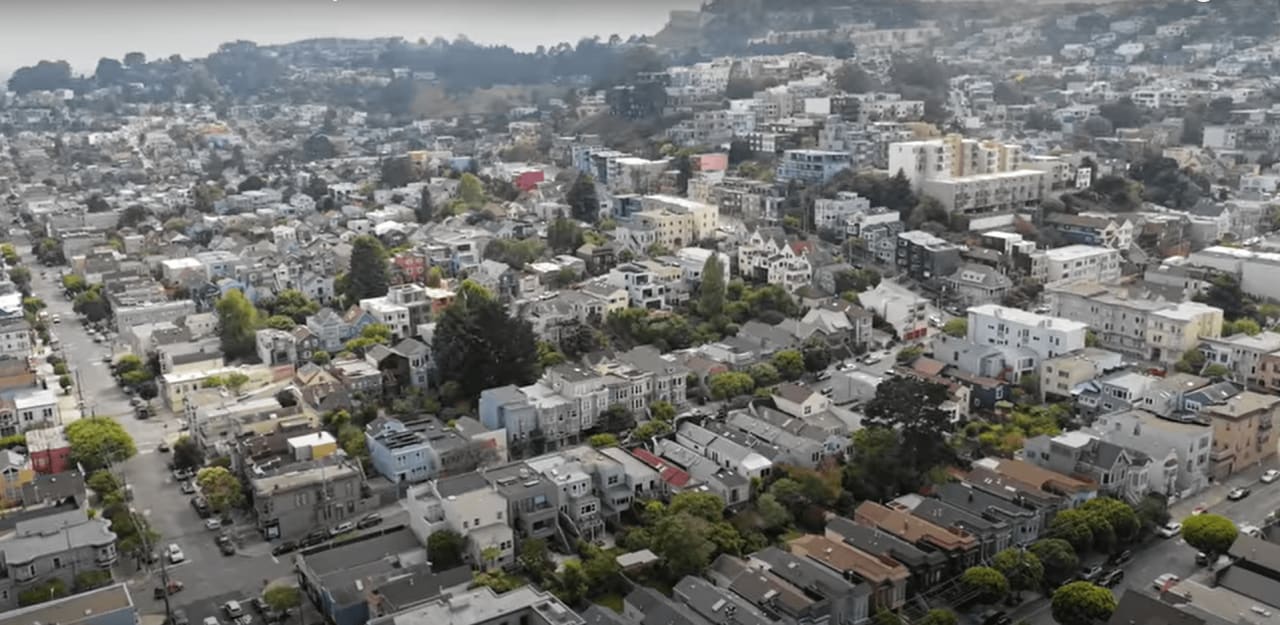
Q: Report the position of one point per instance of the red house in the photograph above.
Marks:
(526, 179)
(49, 450)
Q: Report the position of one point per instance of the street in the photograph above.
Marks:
(210, 578)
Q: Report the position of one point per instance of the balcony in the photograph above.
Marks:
(106, 558)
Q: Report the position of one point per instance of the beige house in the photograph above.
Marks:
(1243, 432)
(1061, 374)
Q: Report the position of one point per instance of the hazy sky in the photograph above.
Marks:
(81, 31)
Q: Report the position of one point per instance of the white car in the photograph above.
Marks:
(342, 528)
(233, 609)
(1170, 529)
(1270, 476)
(188, 488)
(212, 523)
(1168, 579)
(175, 554)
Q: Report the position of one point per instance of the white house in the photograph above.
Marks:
(1047, 337)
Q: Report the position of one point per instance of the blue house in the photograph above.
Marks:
(398, 453)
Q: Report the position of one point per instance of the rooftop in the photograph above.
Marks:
(482, 605)
(84, 607)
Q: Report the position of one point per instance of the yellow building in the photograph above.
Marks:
(1243, 432)
(15, 472)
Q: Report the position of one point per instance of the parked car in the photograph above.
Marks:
(1238, 493)
(314, 538)
(1090, 574)
(1165, 580)
(212, 524)
(188, 488)
(342, 528)
(226, 545)
(175, 554)
(369, 520)
(872, 358)
(163, 447)
(1111, 578)
(1120, 558)
(173, 587)
(178, 618)
(233, 609)
(1270, 475)
(1170, 529)
(1202, 558)
(211, 620)
(201, 506)
(996, 617)
(284, 547)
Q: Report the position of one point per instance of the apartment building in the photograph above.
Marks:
(888, 580)
(15, 338)
(1182, 445)
(848, 215)
(967, 175)
(468, 505)
(1042, 335)
(54, 546)
(1242, 354)
(299, 499)
(925, 256)
(811, 166)
(1140, 326)
(423, 449)
(1243, 432)
(1082, 263)
(482, 606)
(1092, 229)
(1060, 376)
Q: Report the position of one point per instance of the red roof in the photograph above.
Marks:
(671, 475)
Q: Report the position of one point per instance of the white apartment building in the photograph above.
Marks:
(1186, 444)
(1047, 337)
(1256, 271)
(849, 214)
(968, 175)
(1081, 263)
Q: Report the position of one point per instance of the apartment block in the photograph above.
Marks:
(1243, 432)
(1136, 325)
(1082, 263)
(299, 499)
(811, 166)
(1043, 336)
(967, 175)
(925, 256)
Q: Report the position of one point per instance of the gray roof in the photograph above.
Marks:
(979, 502)
(650, 359)
(947, 515)
(1250, 583)
(717, 605)
(421, 584)
(1262, 554)
(461, 484)
(597, 615)
(55, 534)
(516, 480)
(807, 574)
(1137, 608)
(360, 551)
(876, 542)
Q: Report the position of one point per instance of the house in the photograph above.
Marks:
(993, 535)
(1023, 522)
(824, 592)
(423, 449)
(339, 578)
(975, 284)
(888, 579)
(276, 347)
(799, 401)
(482, 606)
(1183, 447)
(900, 307)
(724, 451)
(1092, 229)
(579, 505)
(16, 473)
(1059, 376)
(468, 505)
(926, 567)
(54, 546)
(15, 338)
(1120, 472)
(731, 487)
(841, 323)
(297, 499)
(49, 450)
(924, 256)
(962, 549)
(405, 365)
(1074, 491)
(531, 499)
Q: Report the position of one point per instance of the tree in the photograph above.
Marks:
(1021, 568)
(1058, 559)
(1082, 603)
(789, 363)
(711, 290)
(132, 216)
(187, 454)
(237, 324)
(564, 235)
(1243, 325)
(1122, 113)
(651, 429)
(396, 172)
(220, 488)
(445, 549)
(47, 591)
(583, 202)
(368, 275)
(730, 384)
(1120, 516)
(282, 597)
(571, 587)
(939, 616)
(99, 441)
(957, 327)
(850, 78)
(293, 304)
(1210, 533)
(912, 407)
(108, 72)
(1191, 362)
(535, 559)
(95, 204)
(426, 208)
(280, 322)
(763, 374)
(480, 345)
(875, 469)
(251, 183)
(989, 583)
(600, 441)
(662, 410)
(683, 543)
(435, 277)
(1074, 527)
(471, 191)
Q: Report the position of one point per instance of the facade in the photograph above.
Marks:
(1120, 472)
(925, 256)
(49, 450)
(1142, 327)
(297, 500)
(1089, 229)
(968, 176)
(1243, 432)
(15, 338)
(1082, 263)
(811, 166)
(467, 505)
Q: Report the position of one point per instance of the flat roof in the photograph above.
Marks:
(86, 606)
(1073, 252)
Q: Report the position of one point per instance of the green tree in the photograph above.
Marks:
(237, 325)
(584, 203)
(368, 275)
(763, 374)
(564, 235)
(280, 322)
(536, 560)
(939, 616)
(187, 454)
(1119, 515)
(875, 469)
(885, 617)
(1058, 558)
(293, 304)
(471, 191)
(730, 384)
(74, 284)
(912, 407)
(571, 587)
(435, 277)
(1191, 362)
(600, 441)
(683, 542)
(426, 209)
(282, 597)
(990, 585)
(1074, 527)
(220, 488)
(480, 345)
(1082, 603)
(45, 591)
(773, 514)
(957, 327)
(445, 549)
(1210, 533)
(789, 363)
(711, 290)
(1021, 568)
(651, 429)
(662, 410)
(99, 441)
